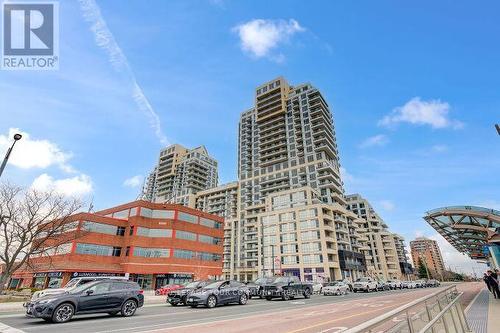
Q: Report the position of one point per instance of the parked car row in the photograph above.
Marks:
(115, 295)
(420, 284)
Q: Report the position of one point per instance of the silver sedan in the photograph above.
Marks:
(335, 288)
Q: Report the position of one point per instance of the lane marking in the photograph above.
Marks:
(343, 318)
(256, 314)
(8, 329)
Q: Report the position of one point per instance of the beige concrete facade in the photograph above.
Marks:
(378, 243)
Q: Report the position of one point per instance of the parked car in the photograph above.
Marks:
(179, 296)
(394, 284)
(73, 283)
(287, 287)
(104, 296)
(365, 284)
(420, 283)
(346, 281)
(256, 287)
(408, 285)
(317, 288)
(382, 285)
(335, 288)
(433, 283)
(219, 292)
(164, 290)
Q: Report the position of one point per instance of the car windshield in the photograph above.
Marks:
(282, 279)
(193, 284)
(363, 279)
(334, 284)
(214, 285)
(82, 287)
(71, 283)
(264, 280)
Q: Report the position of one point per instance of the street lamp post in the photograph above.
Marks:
(17, 137)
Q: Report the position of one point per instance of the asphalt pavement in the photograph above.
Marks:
(163, 317)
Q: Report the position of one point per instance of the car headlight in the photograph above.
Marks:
(45, 301)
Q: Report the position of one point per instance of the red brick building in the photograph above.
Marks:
(153, 244)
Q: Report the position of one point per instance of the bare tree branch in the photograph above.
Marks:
(33, 224)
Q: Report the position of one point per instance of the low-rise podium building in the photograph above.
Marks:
(152, 244)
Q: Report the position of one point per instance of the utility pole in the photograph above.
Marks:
(17, 137)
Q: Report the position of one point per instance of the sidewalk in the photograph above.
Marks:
(483, 314)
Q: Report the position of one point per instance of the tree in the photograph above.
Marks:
(32, 224)
(423, 270)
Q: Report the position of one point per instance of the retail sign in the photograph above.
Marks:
(175, 275)
(92, 274)
(37, 275)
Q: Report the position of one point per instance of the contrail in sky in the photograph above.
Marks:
(105, 40)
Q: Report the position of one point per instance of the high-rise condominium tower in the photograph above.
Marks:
(181, 173)
(289, 172)
(427, 251)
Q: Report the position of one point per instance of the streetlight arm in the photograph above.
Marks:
(6, 158)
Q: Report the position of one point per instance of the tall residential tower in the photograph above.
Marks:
(180, 173)
(291, 203)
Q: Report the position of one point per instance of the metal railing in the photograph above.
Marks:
(439, 312)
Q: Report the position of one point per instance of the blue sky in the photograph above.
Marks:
(413, 89)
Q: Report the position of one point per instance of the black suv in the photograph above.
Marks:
(107, 296)
(179, 296)
(256, 287)
(287, 287)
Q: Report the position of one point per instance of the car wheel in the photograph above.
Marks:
(285, 296)
(243, 299)
(63, 313)
(194, 305)
(269, 298)
(307, 293)
(129, 308)
(173, 304)
(211, 301)
(338, 292)
(112, 314)
(354, 290)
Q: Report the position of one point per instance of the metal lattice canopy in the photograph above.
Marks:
(467, 228)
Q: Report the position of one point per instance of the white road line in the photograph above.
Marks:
(7, 329)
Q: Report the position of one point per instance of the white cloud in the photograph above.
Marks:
(258, 37)
(492, 204)
(433, 113)
(105, 40)
(32, 153)
(376, 140)
(345, 175)
(387, 205)
(439, 148)
(133, 182)
(74, 186)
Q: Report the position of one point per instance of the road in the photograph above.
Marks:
(317, 314)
